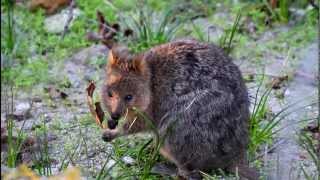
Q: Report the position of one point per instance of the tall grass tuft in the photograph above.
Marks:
(263, 128)
(149, 28)
(43, 164)
(228, 38)
(14, 143)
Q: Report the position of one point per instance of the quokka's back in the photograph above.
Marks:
(199, 94)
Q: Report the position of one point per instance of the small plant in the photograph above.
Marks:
(263, 128)
(43, 162)
(14, 144)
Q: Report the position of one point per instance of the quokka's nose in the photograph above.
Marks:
(115, 116)
(112, 124)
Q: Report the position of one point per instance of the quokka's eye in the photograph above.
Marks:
(128, 97)
(110, 94)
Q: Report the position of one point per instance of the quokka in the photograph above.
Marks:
(194, 95)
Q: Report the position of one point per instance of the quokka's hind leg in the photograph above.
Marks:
(164, 168)
(183, 173)
(188, 175)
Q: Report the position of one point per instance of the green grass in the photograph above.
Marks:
(35, 48)
(310, 145)
(26, 76)
(260, 129)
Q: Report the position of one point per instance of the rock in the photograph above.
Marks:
(37, 99)
(22, 108)
(22, 111)
(57, 22)
(93, 52)
(77, 68)
(110, 164)
(296, 15)
(272, 34)
(55, 93)
(308, 68)
(5, 169)
(209, 29)
(128, 160)
(4, 61)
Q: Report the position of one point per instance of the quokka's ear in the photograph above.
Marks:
(112, 59)
(139, 65)
(118, 53)
(100, 18)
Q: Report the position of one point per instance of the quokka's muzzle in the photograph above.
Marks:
(112, 123)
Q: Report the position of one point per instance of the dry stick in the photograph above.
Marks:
(92, 36)
(70, 17)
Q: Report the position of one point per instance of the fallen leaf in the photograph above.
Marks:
(95, 109)
(91, 88)
(99, 112)
(277, 82)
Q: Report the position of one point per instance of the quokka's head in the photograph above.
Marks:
(126, 86)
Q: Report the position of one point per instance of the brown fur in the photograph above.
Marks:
(50, 6)
(194, 95)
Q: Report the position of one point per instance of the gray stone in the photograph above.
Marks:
(211, 31)
(87, 54)
(57, 22)
(128, 160)
(22, 109)
(110, 164)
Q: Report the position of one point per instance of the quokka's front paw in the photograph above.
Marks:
(108, 135)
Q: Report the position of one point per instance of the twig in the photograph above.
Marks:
(70, 17)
